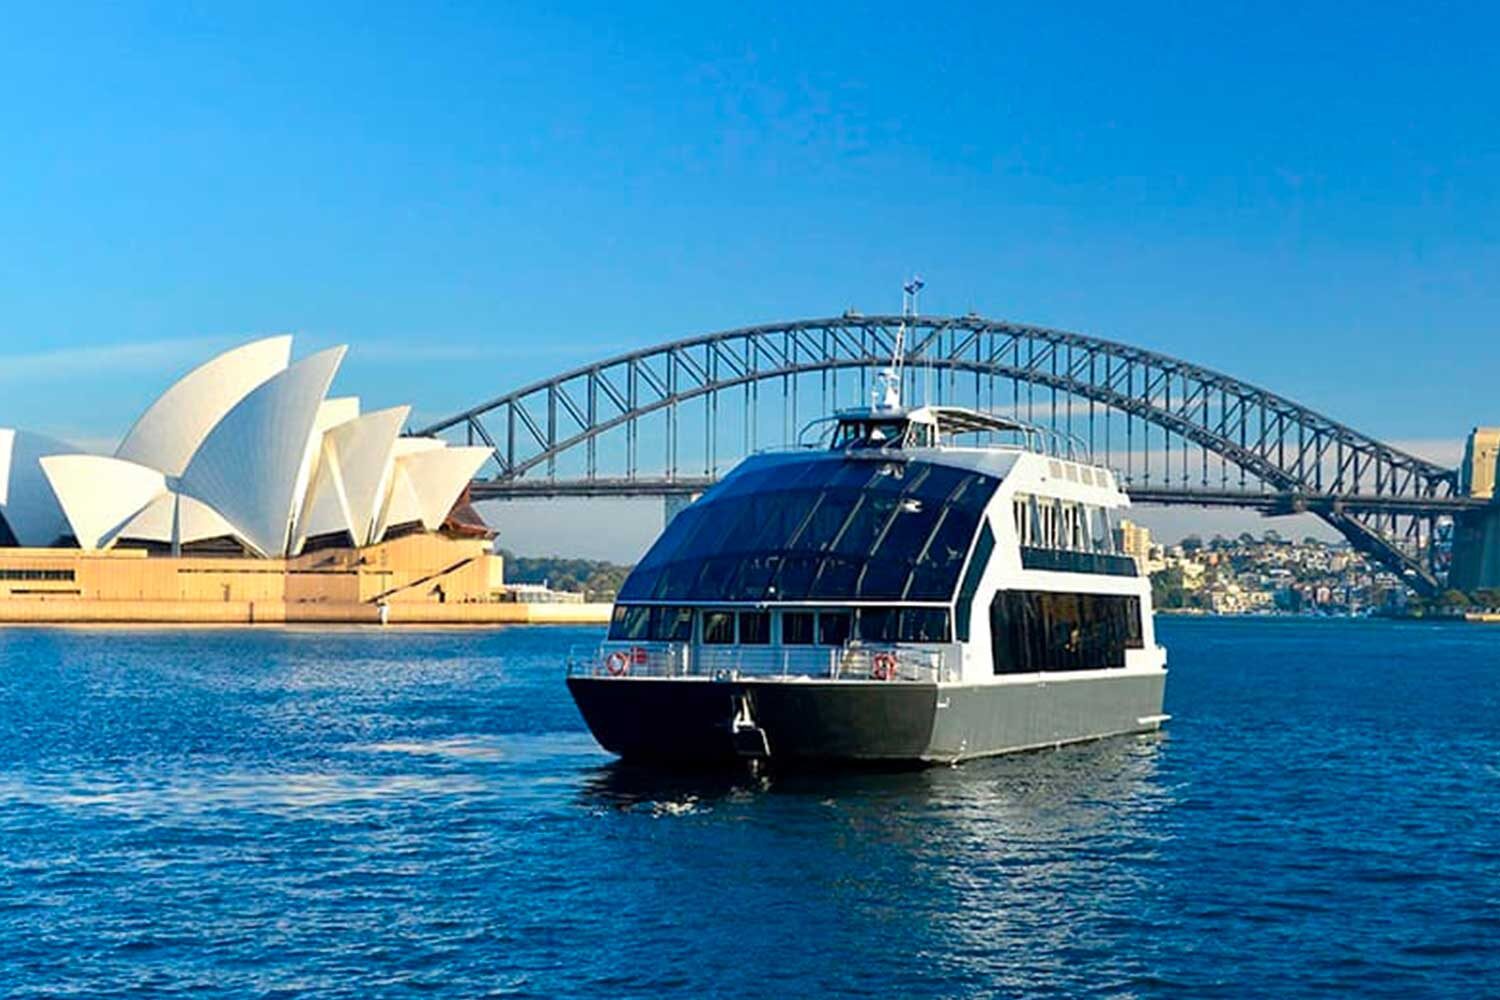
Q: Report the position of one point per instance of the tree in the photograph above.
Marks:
(1167, 590)
(595, 579)
(1192, 543)
(1454, 599)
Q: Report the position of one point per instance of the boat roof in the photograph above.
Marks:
(948, 419)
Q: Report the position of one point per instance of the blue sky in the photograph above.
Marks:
(473, 195)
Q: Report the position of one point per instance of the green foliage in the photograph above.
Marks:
(1447, 604)
(1166, 588)
(1454, 599)
(1168, 591)
(596, 579)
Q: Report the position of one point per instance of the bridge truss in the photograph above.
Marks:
(669, 419)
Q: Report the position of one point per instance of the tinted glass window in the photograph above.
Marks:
(924, 625)
(879, 624)
(837, 576)
(983, 549)
(672, 624)
(718, 627)
(1035, 631)
(827, 518)
(630, 622)
(659, 624)
(833, 628)
(826, 527)
(870, 434)
(755, 573)
(674, 581)
(932, 577)
(797, 628)
(795, 577)
(755, 627)
(715, 577)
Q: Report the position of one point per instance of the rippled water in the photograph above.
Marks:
(380, 813)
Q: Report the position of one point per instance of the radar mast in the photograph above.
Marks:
(886, 392)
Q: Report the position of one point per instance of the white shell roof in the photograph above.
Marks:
(400, 502)
(331, 412)
(166, 436)
(335, 411)
(364, 450)
(438, 478)
(196, 521)
(402, 505)
(244, 446)
(100, 494)
(325, 510)
(248, 467)
(27, 502)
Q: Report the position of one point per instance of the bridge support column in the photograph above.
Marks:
(1476, 534)
(675, 503)
(1476, 550)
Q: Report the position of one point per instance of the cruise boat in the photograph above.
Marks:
(922, 586)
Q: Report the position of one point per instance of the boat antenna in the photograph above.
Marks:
(888, 382)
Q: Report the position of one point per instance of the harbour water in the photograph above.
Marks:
(356, 813)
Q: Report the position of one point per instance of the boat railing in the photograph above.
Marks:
(1040, 439)
(850, 662)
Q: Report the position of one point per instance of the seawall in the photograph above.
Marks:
(51, 612)
(423, 578)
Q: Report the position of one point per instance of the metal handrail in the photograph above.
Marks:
(1036, 438)
(852, 662)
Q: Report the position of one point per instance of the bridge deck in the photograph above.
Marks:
(1265, 502)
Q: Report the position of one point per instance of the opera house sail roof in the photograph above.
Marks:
(247, 449)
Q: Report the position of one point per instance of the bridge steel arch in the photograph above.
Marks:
(1209, 428)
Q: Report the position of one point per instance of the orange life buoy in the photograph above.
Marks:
(617, 663)
(883, 666)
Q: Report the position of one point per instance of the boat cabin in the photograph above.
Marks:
(892, 542)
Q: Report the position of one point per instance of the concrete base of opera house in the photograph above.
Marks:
(418, 579)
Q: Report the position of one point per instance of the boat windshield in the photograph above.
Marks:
(870, 434)
(826, 528)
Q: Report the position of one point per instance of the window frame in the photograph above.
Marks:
(1043, 631)
(711, 615)
(760, 617)
(848, 627)
(810, 617)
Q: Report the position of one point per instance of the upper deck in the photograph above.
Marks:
(887, 539)
(1037, 459)
(885, 509)
(887, 428)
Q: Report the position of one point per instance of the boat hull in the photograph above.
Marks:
(704, 722)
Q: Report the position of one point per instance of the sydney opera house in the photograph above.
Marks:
(246, 487)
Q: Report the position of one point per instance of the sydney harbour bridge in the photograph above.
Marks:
(666, 420)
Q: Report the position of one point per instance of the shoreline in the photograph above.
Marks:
(1463, 618)
(279, 613)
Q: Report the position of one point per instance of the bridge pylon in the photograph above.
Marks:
(1476, 533)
